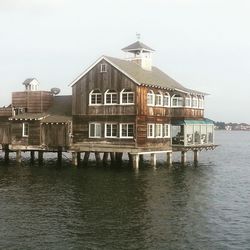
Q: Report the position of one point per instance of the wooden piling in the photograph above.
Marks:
(78, 156)
(183, 157)
(6, 153)
(169, 158)
(59, 157)
(74, 159)
(32, 157)
(112, 158)
(196, 156)
(86, 158)
(40, 157)
(135, 158)
(18, 156)
(153, 160)
(98, 158)
(105, 159)
(130, 158)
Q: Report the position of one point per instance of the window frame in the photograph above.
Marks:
(201, 101)
(126, 137)
(178, 98)
(25, 133)
(188, 98)
(103, 68)
(127, 92)
(151, 94)
(95, 126)
(164, 130)
(159, 96)
(95, 94)
(111, 97)
(117, 132)
(195, 98)
(160, 126)
(153, 130)
(166, 94)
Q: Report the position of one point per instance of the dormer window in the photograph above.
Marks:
(103, 68)
(95, 97)
(195, 102)
(158, 99)
(188, 101)
(166, 100)
(177, 101)
(127, 96)
(151, 98)
(110, 97)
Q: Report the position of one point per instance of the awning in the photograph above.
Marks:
(193, 122)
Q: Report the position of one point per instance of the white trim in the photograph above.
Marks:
(105, 130)
(195, 98)
(153, 130)
(94, 64)
(159, 95)
(23, 129)
(95, 123)
(169, 99)
(126, 137)
(151, 93)
(90, 99)
(112, 93)
(190, 101)
(160, 125)
(176, 96)
(164, 129)
(128, 92)
(105, 68)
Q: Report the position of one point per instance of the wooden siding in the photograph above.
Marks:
(55, 135)
(33, 101)
(4, 130)
(6, 112)
(17, 130)
(94, 79)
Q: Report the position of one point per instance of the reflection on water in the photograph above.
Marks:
(203, 207)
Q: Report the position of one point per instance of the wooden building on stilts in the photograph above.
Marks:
(129, 106)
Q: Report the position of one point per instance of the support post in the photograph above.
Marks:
(118, 157)
(78, 156)
(135, 158)
(196, 156)
(18, 156)
(141, 158)
(98, 158)
(40, 157)
(105, 159)
(86, 158)
(183, 157)
(153, 160)
(74, 159)
(6, 153)
(130, 158)
(32, 157)
(169, 158)
(59, 157)
(112, 158)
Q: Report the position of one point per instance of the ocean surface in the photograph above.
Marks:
(182, 207)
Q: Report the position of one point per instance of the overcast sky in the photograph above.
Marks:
(203, 44)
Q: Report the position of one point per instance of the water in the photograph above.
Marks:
(203, 207)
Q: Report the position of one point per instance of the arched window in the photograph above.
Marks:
(151, 98)
(110, 97)
(188, 101)
(158, 99)
(166, 100)
(195, 102)
(177, 101)
(201, 102)
(127, 96)
(95, 97)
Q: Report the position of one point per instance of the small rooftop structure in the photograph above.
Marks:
(31, 84)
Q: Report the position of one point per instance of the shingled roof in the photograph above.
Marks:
(28, 81)
(137, 46)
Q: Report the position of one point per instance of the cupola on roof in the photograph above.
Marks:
(137, 46)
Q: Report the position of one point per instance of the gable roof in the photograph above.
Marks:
(154, 78)
(28, 81)
(137, 46)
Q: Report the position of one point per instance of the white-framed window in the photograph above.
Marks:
(151, 130)
(25, 132)
(166, 100)
(111, 130)
(201, 102)
(110, 97)
(177, 101)
(127, 96)
(195, 102)
(158, 99)
(95, 130)
(95, 97)
(103, 67)
(158, 130)
(126, 130)
(166, 130)
(188, 101)
(151, 98)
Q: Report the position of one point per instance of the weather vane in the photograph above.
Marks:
(138, 36)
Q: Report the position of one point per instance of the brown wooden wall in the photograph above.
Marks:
(34, 101)
(4, 130)
(55, 135)
(34, 133)
(94, 79)
(6, 112)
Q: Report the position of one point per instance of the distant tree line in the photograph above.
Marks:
(231, 126)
